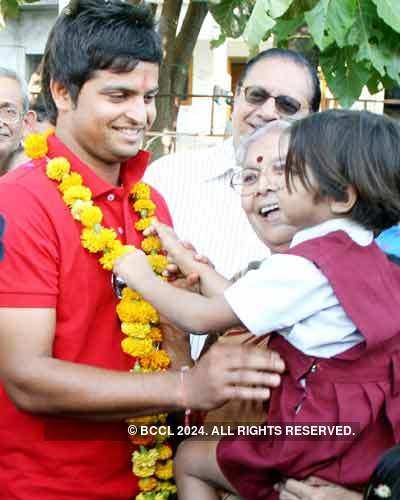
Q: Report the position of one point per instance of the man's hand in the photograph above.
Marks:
(232, 372)
(314, 488)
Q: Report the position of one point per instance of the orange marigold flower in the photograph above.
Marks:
(156, 334)
(156, 361)
(148, 484)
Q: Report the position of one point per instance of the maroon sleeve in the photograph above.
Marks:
(29, 269)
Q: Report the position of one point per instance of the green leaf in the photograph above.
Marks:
(263, 19)
(218, 41)
(232, 15)
(316, 19)
(389, 11)
(284, 29)
(259, 24)
(341, 16)
(345, 76)
(9, 9)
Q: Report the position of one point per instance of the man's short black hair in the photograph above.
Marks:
(97, 35)
(296, 58)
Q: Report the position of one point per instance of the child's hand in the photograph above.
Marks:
(133, 268)
(182, 255)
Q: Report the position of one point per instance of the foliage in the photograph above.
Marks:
(358, 40)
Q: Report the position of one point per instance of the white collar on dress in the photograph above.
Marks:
(355, 231)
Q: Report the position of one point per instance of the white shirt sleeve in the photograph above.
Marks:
(285, 290)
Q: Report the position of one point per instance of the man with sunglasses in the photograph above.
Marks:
(275, 84)
(15, 117)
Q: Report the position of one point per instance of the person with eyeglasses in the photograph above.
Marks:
(15, 117)
(277, 83)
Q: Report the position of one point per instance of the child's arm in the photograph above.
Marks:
(191, 312)
(211, 282)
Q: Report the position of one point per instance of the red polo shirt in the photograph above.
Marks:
(46, 266)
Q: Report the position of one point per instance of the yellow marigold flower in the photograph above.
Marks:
(148, 484)
(156, 360)
(95, 241)
(138, 330)
(162, 417)
(137, 347)
(158, 263)
(137, 311)
(113, 251)
(74, 193)
(141, 191)
(57, 168)
(145, 420)
(165, 470)
(144, 462)
(164, 452)
(151, 244)
(91, 216)
(78, 206)
(128, 293)
(144, 223)
(72, 179)
(156, 334)
(166, 486)
(145, 208)
(35, 146)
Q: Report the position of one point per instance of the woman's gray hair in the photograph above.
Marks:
(247, 140)
(12, 75)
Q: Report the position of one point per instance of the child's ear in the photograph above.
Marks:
(344, 207)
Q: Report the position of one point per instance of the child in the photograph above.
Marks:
(333, 299)
(385, 481)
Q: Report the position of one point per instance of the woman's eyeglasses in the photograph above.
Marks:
(285, 105)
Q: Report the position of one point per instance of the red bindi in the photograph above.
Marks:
(260, 159)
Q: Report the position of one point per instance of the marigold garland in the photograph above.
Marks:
(152, 463)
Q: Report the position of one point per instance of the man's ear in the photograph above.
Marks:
(345, 206)
(61, 96)
(29, 122)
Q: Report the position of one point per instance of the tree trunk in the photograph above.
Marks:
(178, 50)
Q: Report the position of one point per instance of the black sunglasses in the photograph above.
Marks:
(285, 105)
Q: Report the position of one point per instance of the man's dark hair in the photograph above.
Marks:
(296, 58)
(342, 148)
(38, 106)
(97, 35)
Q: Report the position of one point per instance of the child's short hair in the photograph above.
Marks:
(385, 480)
(342, 148)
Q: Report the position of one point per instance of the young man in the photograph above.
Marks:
(276, 83)
(60, 341)
(15, 118)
